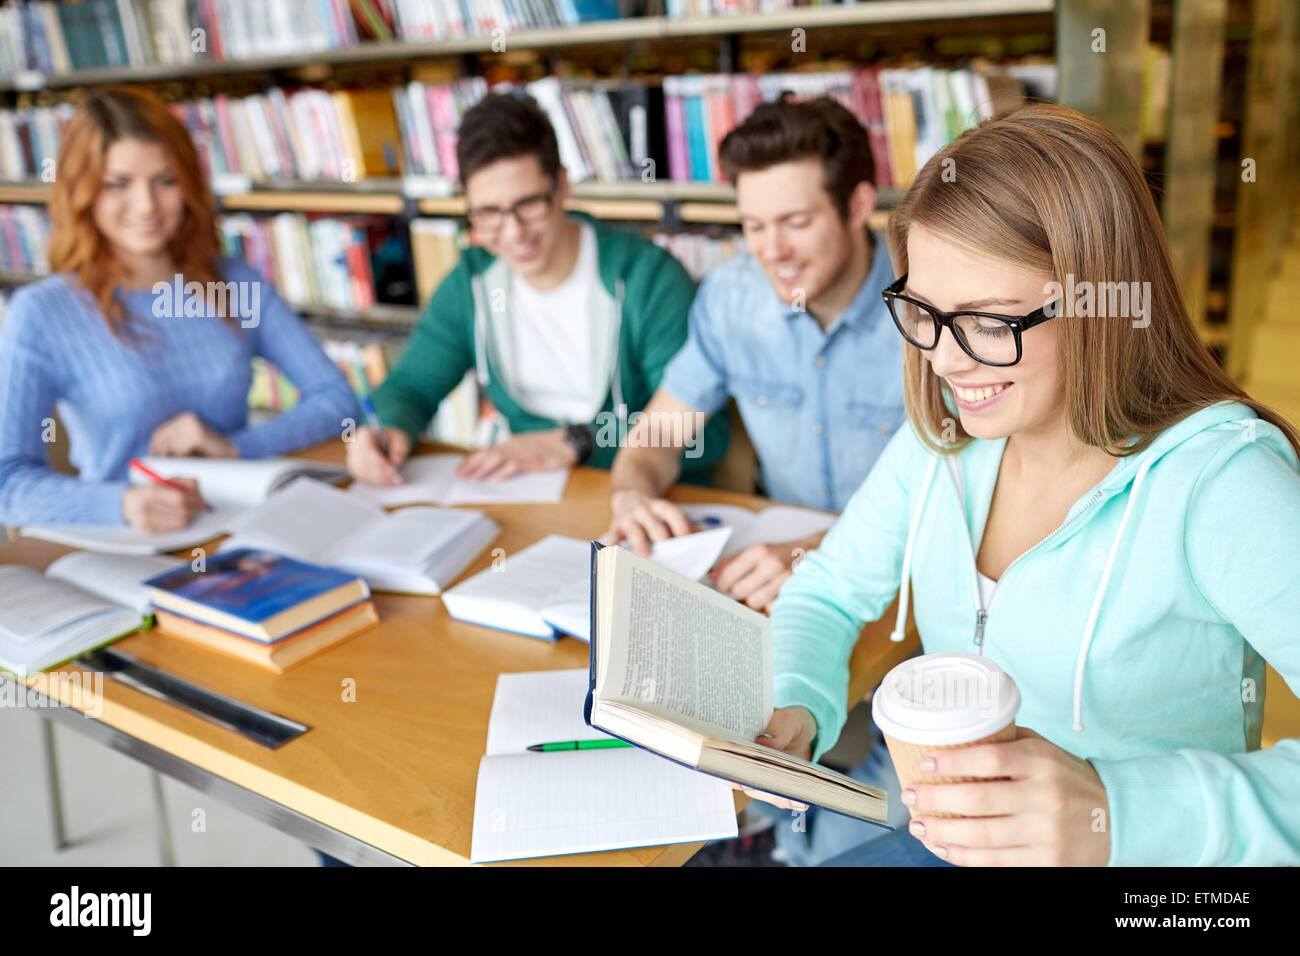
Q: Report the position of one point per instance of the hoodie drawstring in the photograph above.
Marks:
(1101, 594)
(905, 590)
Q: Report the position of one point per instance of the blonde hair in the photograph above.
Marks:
(1053, 191)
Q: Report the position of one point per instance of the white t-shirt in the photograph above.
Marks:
(555, 341)
(987, 585)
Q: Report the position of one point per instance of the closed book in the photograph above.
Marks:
(279, 655)
(260, 594)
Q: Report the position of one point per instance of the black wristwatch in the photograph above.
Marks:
(581, 441)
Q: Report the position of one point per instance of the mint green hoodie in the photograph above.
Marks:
(1136, 632)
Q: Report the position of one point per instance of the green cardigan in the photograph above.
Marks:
(642, 281)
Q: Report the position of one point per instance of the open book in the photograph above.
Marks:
(544, 590)
(240, 482)
(684, 671)
(229, 485)
(432, 479)
(413, 550)
(773, 525)
(47, 619)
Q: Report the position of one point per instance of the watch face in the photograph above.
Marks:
(580, 438)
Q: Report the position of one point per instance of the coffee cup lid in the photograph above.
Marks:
(945, 699)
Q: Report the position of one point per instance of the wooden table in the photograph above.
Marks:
(389, 777)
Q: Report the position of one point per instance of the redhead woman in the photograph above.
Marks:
(133, 371)
(1084, 497)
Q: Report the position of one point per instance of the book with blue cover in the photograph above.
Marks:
(259, 594)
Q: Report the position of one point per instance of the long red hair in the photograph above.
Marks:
(76, 244)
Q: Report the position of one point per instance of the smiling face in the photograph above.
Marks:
(994, 402)
(140, 203)
(530, 247)
(793, 229)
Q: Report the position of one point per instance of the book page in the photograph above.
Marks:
(781, 523)
(538, 707)
(426, 480)
(529, 487)
(32, 604)
(225, 481)
(307, 520)
(679, 648)
(531, 804)
(408, 538)
(115, 578)
(119, 539)
(581, 801)
(555, 568)
(690, 555)
(774, 525)
(431, 479)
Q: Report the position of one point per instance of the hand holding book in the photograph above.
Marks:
(791, 730)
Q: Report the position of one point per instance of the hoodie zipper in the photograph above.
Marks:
(981, 612)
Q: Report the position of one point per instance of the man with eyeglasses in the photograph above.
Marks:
(567, 323)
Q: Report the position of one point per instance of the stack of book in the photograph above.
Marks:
(24, 235)
(261, 607)
(303, 134)
(51, 37)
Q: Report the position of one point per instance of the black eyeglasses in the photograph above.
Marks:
(987, 337)
(528, 211)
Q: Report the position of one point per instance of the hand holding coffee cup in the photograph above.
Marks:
(943, 702)
(997, 794)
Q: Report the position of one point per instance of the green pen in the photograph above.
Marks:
(604, 744)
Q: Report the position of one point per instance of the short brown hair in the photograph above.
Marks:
(504, 126)
(786, 130)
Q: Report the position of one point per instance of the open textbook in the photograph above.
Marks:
(529, 804)
(431, 479)
(412, 550)
(229, 485)
(81, 602)
(773, 525)
(686, 672)
(545, 590)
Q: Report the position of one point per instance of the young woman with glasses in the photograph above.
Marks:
(1085, 498)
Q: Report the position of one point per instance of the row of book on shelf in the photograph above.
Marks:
(606, 131)
(55, 38)
(51, 37)
(348, 263)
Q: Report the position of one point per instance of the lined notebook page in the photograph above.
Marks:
(529, 804)
(544, 804)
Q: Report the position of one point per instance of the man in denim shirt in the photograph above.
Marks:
(797, 332)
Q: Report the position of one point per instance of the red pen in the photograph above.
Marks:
(158, 479)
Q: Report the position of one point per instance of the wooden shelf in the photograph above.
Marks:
(25, 192)
(382, 315)
(597, 32)
(19, 278)
(340, 202)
